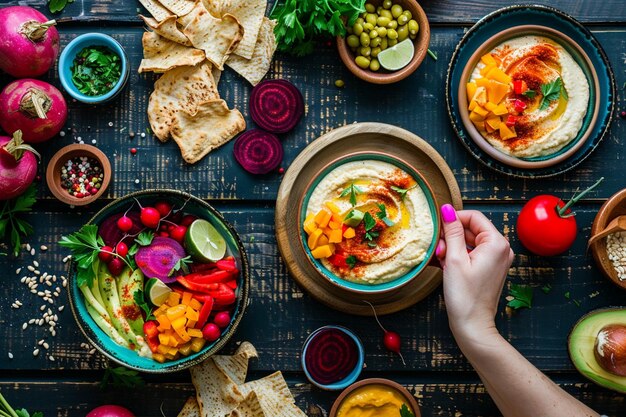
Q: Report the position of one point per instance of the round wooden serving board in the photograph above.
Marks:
(345, 140)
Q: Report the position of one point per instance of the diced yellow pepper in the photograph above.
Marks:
(486, 69)
(323, 217)
(164, 339)
(481, 111)
(472, 105)
(185, 349)
(173, 299)
(158, 357)
(186, 298)
(161, 310)
(191, 323)
(489, 128)
(480, 125)
(332, 207)
(496, 91)
(191, 314)
(197, 344)
(323, 240)
(335, 236)
(162, 349)
(500, 110)
(349, 233)
(497, 74)
(480, 96)
(179, 323)
(506, 132)
(164, 322)
(493, 122)
(490, 106)
(195, 304)
(309, 224)
(334, 225)
(482, 82)
(194, 332)
(313, 238)
(322, 252)
(488, 59)
(475, 117)
(175, 312)
(182, 332)
(337, 218)
(171, 351)
(471, 90)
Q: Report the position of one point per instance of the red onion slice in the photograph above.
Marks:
(276, 105)
(258, 152)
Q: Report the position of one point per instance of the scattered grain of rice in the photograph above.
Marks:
(46, 345)
(28, 246)
(36, 272)
(32, 321)
(36, 264)
(41, 342)
(30, 268)
(35, 352)
(24, 326)
(19, 303)
(51, 358)
(43, 247)
(10, 355)
(17, 271)
(32, 251)
(61, 308)
(92, 351)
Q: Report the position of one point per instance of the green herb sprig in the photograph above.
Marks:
(11, 225)
(56, 6)
(121, 377)
(7, 411)
(353, 191)
(140, 299)
(522, 296)
(405, 412)
(382, 215)
(351, 261)
(369, 222)
(552, 91)
(96, 70)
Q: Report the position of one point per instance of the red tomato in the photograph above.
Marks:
(542, 230)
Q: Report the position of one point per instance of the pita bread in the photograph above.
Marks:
(216, 394)
(156, 9)
(217, 37)
(190, 409)
(182, 88)
(250, 15)
(179, 7)
(254, 69)
(250, 407)
(236, 366)
(161, 54)
(274, 396)
(167, 28)
(213, 6)
(211, 126)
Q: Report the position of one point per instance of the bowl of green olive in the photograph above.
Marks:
(387, 42)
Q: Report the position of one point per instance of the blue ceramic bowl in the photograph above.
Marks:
(130, 358)
(67, 59)
(401, 280)
(339, 385)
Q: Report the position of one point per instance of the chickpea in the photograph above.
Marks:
(396, 10)
(403, 32)
(365, 39)
(387, 4)
(413, 27)
(374, 65)
(370, 8)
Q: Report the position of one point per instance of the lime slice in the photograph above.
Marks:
(397, 56)
(157, 291)
(204, 242)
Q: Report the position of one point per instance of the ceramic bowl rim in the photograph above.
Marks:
(401, 281)
(352, 376)
(565, 42)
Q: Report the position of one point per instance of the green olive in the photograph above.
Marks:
(392, 42)
(384, 44)
(392, 34)
(375, 51)
(383, 21)
(353, 41)
(359, 21)
(408, 14)
(387, 4)
(382, 32)
(365, 51)
(413, 36)
(393, 24)
(413, 26)
(403, 19)
(371, 18)
(362, 62)
(375, 42)
(339, 83)
(357, 29)
(396, 10)
(367, 27)
(373, 34)
(385, 13)
(379, 9)
(365, 39)
(370, 8)
(374, 65)
(403, 32)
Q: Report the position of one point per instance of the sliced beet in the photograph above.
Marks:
(158, 259)
(111, 234)
(258, 152)
(330, 356)
(276, 105)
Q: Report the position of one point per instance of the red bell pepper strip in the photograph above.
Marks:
(223, 296)
(232, 284)
(338, 260)
(194, 286)
(205, 311)
(214, 277)
(153, 343)
(227, 265)
(197, 267)
(520, 86)
(150, 329)
(511, 120)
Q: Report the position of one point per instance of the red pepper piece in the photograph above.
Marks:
(224, 295)
(227, 265)
(197, 267)
(153, 343)
(519, 106)
(194, 286)
(214, 277)
(520, 86)
(205, 311)
(511, 120)
(338, 260)
(232, 284)
(150, 329)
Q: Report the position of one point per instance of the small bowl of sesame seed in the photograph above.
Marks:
(78, 174)
(610, 252)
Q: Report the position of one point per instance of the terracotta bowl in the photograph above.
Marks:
(382, 76)
(53, 173)
(410, 399)
(613, 207)
(581, 58)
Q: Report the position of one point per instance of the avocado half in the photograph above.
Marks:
(581, 345)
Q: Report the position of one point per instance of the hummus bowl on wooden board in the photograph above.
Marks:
(403, 216)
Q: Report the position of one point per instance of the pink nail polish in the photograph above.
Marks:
(448, 214)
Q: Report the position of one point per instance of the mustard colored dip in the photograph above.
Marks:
(372, 401)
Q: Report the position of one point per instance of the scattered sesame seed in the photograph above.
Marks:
(62, 133)
(41, 342)
(35, 352)
(42, 308)
(10, 355)
(46, 345)
(136, 180)
(30, 268)
(143, 134)
(32, 251)
(51, 358)
(92, 351)
(93, 141)
(31, 321)
(19, 303)
(36, 264)
(43, 247)
(17, 271)
(28, 247)
(24, 326)
(61, 308)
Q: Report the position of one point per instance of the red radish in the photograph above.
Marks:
(178, 233)
(211, 332)
(111, 234)
(18, 166)
(258, 152)
(391, 340)
(163, 207)
(187, 220)
(110, 411)
(35, 107)
(30, 42)
(124, 223)
(105, 254)
(222, 319)
(116, 266)
(121, 249)
(276, 105)
(150, 217)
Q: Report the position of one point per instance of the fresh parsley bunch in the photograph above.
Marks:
(12, 226)
(300, 22)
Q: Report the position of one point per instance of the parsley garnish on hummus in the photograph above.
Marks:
(353, 190)
(351, 261)
(382, 215)
(369, 223)
(552, 91)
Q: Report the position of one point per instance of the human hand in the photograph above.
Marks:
(472, 281)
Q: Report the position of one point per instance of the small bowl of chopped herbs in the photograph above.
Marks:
(93, 68)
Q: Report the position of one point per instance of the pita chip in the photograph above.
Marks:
(255, 68)
(274, 396)
(250, 407)
(216, 394)
(156, 9)
(213, 6)
(161, 54)
(250, 14)
(190, 409)
(211, 126)
(217, 74)
(179, 7)
(217, 37)
(236, 366)
(167, 28)
(182, 88)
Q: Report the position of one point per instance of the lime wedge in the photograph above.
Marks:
(204, 242)
(397, 56)
(157, 291)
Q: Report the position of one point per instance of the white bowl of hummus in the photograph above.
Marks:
(528, 98)
(369, 222)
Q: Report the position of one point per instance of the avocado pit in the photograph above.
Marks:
(610, 349)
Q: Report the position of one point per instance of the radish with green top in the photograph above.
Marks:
(18, 166)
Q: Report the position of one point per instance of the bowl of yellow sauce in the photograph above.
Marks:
(375, 397)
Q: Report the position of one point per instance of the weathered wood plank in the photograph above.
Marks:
(280, 316)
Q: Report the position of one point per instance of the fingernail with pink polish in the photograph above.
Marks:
(439, 248)
(448, 214)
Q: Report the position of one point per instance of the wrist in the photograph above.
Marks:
(470, 336)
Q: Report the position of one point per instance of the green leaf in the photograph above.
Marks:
(368, 221)
(551, 92)
(121, 377)
(405, 412)
(181, 263)
(140, 299)
(522, 296)
(56, 6)
(351, 261)
(529, 93)
(145, 238)
(353, 190)
(401, 191)
(567, 295)
(546, 288)
(382, 215)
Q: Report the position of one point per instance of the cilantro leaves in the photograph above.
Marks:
(85, 246)
(552, 91)
(351, 261)
(530, 94)
(520, 296)
(13, 227)
(369, 223)
(140, 299)
(353, 191)
(382, 215)
(96, 70)
(405, 412)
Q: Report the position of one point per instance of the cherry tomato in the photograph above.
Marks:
(124, 223)
(178, 233)
(104, 255)
(163, 207)
(150, 217)
(187, 220)
(121, 249)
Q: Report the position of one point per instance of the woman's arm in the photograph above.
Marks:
(472, 284)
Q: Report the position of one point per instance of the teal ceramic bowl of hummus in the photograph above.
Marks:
(376, 215)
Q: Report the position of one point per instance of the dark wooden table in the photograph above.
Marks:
(280, 315)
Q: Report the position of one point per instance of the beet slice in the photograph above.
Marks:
(276, 105)
(258, 152)
(330, 356)
(111, 234)
(158, 259)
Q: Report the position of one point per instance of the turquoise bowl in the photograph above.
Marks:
(352, 376)
(130, 358)
(413, 272)
(67, 59)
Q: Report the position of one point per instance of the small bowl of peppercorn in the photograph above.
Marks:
(78, 174)
(93, 68)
